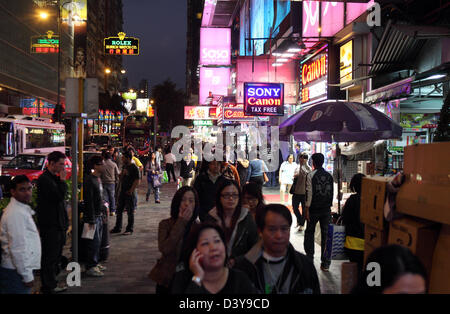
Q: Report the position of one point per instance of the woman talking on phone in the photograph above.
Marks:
(205, 272)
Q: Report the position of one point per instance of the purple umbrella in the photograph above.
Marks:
(340, 122)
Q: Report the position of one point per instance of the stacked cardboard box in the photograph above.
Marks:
(373, 193)
(426, 194)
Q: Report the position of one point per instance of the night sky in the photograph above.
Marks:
(161, 27)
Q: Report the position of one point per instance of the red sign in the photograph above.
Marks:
(314, 70)
(315, 78)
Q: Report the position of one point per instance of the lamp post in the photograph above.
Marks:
(155, 123)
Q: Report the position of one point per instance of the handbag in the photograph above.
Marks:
(165, 178)
(156, 181)
(334, 249)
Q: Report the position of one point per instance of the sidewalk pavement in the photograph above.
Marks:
(132, 257)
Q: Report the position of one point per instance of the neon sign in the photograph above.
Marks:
(203, 122)
(315, 78)
(121, 45)
(45, 44)
(200, 113)
(264, 99)
(215, 46)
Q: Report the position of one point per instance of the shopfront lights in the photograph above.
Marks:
(282, 60)
(294, 50)
(287, 55)
(435, 77)
(277, 64)
(277, 54)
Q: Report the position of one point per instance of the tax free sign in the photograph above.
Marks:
(264, 99)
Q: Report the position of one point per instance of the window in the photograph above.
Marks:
(41, 138)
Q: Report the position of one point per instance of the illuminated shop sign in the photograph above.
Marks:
(121, 45)
(214, 80)
(203, 122)
(30, 107)
(200, 113)
(314, 78)
(129, 96)
(45, 44)
(346, 62)
(235, 113)
(215, 46)
(264, 99)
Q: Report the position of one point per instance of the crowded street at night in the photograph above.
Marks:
(216, 154)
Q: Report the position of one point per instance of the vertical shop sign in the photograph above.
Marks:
(346, 62)
(314, 79)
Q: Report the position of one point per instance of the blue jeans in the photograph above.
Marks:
(11, 282)
(150, 187)
(126, 202)
(109, 190)
(93, 246)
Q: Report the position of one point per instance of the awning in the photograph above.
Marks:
(222, 13)
(397, 90)
(396, 50)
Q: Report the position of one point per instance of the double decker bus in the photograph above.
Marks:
(29, 135)
(137, 131)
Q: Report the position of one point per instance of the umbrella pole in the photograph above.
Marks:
(339, 195)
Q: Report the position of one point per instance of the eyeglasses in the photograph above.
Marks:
(230, 195)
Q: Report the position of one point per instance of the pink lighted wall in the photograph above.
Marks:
(311, 10)
(215, 46)
(213, 80)
(354, 10)
(332, 18)
(208, 11)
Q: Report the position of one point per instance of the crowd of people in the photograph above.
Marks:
(221, 236)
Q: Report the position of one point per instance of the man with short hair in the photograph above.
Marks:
(129, 182)
(19, 237)
(93, 212)
(273, 264)
(319, 199)
(110, 177)
(52, 219)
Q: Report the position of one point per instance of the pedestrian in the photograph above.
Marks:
(273, 265)
(319, 199)
(187, 170)
(172, 234)
(117, 158)
(207, 185)
(129, 178)
(205, 266)
(354, 229)
(230, 172)
(286, 178)
(252, 198)
(138, 164)
(242, 169)
(236, 221)
(110, 177)
(92, 215)
(20, 242)
(401, 272)
(256, 172)
(154, 174)
(159, 156)
(299, 189)
(169, 160)
(52, 220)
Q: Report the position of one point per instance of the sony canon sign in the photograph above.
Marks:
(215, 46)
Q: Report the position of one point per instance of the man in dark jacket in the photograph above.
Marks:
(93, 212)
(52, 219)
(319, 199)
(206, 186)
(273, 264)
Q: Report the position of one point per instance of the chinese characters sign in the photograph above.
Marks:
(314, 78)
(200, 113)
(264, 99)
(121, 45)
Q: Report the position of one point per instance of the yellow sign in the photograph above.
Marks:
(73, 12)
(346, 62)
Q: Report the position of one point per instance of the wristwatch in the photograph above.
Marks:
(197, 280)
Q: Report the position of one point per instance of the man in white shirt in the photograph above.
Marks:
(19, 237)
(169, 160)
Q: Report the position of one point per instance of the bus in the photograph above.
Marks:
(137, 131)
(30, 135)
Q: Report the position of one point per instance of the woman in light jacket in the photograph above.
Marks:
(286, 178)
(154, 172)
(299, 196)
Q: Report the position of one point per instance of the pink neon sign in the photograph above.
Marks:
(208, 11)
(214, 80)
(215, 46)
(332, 16)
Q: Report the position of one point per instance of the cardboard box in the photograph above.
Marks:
(349, 277)
(425, 193)
(440, 271)
(418, 235)
(373, 193)
(373, 238)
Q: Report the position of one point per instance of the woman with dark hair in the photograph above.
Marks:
(172, 233)
(154, 173)
(354, 229)
(236, 221)
(205, 260)
(252, 197)
(400, 272)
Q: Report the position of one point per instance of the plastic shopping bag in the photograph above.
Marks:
(334, 249)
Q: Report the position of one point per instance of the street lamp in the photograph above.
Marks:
(107, 70)
(43, 15)
(123, 71)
